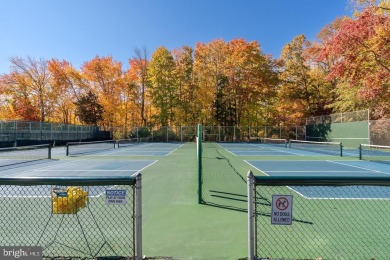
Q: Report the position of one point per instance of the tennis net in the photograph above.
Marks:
(127, 142)
(146, 139)
(332, 148)
(274, 141)
(376, 153)
(82, 148)
(23, 154)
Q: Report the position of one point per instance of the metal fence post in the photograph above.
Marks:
(199, 155)
(138, 214)
(15, 133)
(369, 126)
(251, 215)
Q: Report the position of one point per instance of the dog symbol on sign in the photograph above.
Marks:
(282, 203)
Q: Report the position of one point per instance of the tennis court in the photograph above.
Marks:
(252, 149)
(70, 220)
(170, 207)
(329, 169)
(101, 161)
(297, 148)
(332, 221)
(109, 148)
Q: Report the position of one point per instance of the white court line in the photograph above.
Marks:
(42, 169)
(273, 149)
(116, 150)
(134, 174)
(174, 150)
(84, 170)
(327, 198)
(145, 167)
(354, 166)
(226, 150)
(256, 168)
(319, 171)
(97, 196)
(46, 167)
(282, 151)
(260, 151)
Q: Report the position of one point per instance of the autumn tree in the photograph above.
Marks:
(235, 77)
(17, 100)
(379, 5)
(361, 51)
(163, 89)
(29, 80)
(138, 74)
(303, 91)
(252, 81)
(225, 108)
(68, 86)
(209, 67)
(129, 113)
(187, 105)
(88, 109)
(105, 78)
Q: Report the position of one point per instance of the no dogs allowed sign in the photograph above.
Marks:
(281, 210)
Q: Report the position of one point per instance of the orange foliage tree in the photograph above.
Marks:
(105, 79)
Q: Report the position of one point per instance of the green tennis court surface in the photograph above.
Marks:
(174, 224)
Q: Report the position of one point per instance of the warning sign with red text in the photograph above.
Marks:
(281, 210)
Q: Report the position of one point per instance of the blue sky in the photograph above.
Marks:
(78, 30)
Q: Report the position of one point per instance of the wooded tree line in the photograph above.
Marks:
(346, 68)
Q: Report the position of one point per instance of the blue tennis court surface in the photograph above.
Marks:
(254, 149)
(329, 168)
(147, 149)
(98, 162)
(77, 168)
(136, 149)
(73, 168)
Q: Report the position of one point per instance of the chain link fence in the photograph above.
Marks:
(331, 218)
(158, 134)
(84, 218)
(380, 132)
(211, 133)
(251, 133)
(20, 133)
(339, 126)
(362, 115)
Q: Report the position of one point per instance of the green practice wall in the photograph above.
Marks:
(351, 134)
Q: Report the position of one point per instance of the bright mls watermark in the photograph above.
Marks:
(21, 252)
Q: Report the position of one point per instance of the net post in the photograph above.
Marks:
(199, 150)
(360, 152)
(49, 152)
(251, 215)
(67, 149)
(341, 149)
(138, 215)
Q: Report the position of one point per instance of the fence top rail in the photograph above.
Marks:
(90, 142)
(321, 181)
(78, 181)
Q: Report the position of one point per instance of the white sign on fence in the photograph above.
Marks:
(115, 197)
(281, 210)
